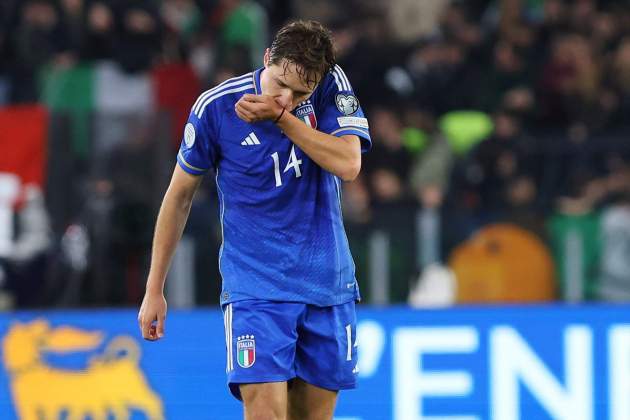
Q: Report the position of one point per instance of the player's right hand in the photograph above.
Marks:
(152, 315)
(253, 108)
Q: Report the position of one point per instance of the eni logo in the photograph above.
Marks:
(110, 386)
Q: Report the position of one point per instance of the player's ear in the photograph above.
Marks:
(266, 57)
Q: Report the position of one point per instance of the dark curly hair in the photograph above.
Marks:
(308, 45)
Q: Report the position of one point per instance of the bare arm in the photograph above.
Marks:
(338, 155)
(168, 230)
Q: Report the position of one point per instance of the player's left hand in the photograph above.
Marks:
(254, 108)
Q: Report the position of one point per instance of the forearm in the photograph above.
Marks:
(168, 230)
(340, 156)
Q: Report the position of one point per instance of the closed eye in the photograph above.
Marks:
(297, 93)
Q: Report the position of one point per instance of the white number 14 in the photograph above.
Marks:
(293, 162)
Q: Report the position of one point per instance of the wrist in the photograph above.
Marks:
(154, 287)
(279, 117)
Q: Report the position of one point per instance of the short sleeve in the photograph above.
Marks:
(340, 113)
(198, 150)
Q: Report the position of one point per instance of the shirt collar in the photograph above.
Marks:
(256, 76)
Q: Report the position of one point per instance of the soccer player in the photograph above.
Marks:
(280, 139)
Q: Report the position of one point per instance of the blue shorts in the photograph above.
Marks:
(278, 341)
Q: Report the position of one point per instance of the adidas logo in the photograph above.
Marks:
(250, 140)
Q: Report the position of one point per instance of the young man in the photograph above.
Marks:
(280, 139)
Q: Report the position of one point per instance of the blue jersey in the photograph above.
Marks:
(283, 235)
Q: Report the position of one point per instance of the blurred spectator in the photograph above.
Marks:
(369, 49)
(73, 12)
(620, 78)
(522, 208)
(442, 80)
(431, 170)
(181, 17)
(138, 31)
(496, 162)
(614, 277)
(5, 55)
(571, 85)
(508, 71)
(37, 35)
(321, 10)
(243, 35)
(388, 163)
(356, 203)
(99, 31)
(411, 19)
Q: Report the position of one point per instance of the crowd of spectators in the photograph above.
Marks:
(480, 111)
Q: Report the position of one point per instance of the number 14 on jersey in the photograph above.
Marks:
(293, 162)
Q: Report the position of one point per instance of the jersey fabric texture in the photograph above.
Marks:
(283, 235)
(279, 341)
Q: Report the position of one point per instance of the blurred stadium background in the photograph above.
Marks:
(490, 225)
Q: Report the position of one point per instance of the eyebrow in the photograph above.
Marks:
(281, 82)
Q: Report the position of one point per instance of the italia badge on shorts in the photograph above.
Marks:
(306, 113)
(246, 350)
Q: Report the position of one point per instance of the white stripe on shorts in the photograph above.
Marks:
(227, 323)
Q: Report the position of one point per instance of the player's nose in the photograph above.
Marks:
(286, 100)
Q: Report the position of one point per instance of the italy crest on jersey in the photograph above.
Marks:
(246, 350)
(306, 113)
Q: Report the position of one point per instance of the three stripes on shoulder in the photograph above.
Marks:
(236, 84)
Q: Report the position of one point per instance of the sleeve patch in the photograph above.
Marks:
(189, 135)
(353, 122)
(347, 104)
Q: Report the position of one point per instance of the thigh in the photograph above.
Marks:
(260, 341)
(264, 400)
(326, 352)
(309, 402)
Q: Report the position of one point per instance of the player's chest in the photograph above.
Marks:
(261, 152)
(261, 156)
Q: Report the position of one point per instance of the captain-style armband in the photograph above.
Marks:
(279, 116)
